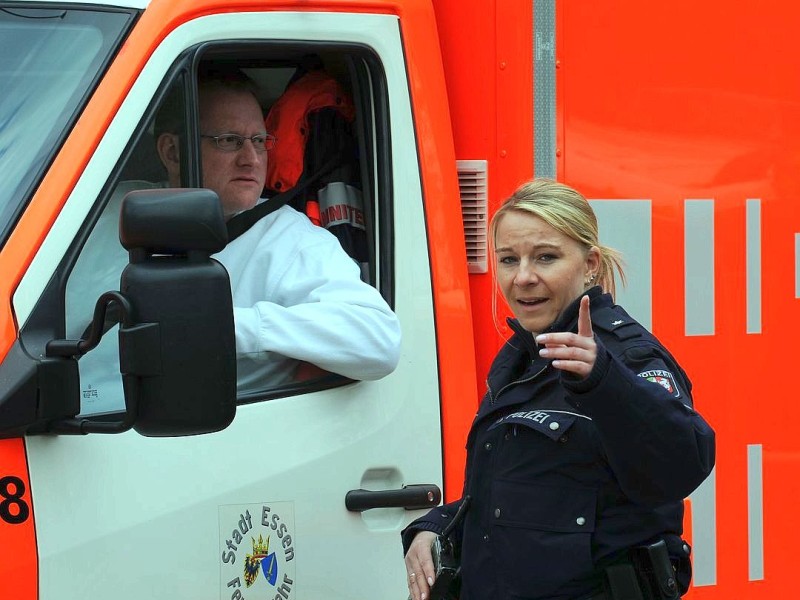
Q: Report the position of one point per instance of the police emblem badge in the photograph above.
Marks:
(663, 378)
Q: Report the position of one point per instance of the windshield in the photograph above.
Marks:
(49, 60)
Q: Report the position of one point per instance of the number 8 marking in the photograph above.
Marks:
(20, 515)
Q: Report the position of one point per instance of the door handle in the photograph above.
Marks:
(410, 497)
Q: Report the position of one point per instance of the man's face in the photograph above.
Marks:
(237, 177)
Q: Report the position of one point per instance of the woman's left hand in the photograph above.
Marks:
(572, 352)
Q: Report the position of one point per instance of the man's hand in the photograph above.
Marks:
(419, 565)
(572, 352)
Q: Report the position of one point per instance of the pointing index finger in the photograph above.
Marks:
(585, 318)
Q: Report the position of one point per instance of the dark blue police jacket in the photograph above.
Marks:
(566, 475)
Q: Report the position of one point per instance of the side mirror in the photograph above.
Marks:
(176, 335)
(178, 356)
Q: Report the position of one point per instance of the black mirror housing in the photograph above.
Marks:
(177, 343)
(178, 351)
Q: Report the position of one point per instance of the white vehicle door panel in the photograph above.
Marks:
(129, 517)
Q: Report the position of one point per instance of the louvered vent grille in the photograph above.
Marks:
(472, 176)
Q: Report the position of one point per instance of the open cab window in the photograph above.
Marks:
(333, 157)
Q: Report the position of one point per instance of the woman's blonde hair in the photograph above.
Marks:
(567, 211)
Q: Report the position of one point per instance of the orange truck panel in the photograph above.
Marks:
(18, 558)
(682, 101)
(669, 104)
(487, 55)
(446, 242)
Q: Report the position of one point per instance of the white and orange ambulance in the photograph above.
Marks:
(679, 120)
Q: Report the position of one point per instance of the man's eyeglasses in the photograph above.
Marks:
(232, 142)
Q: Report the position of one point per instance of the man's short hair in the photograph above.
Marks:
(171, 116)
(212, 75)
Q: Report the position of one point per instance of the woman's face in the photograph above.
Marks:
(539, 269)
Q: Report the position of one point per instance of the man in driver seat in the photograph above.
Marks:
(298, 297)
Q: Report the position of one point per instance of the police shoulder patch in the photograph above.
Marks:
(663, 378)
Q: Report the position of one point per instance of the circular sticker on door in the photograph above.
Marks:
(257, 551)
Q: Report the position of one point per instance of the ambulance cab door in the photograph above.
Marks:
(257, 510)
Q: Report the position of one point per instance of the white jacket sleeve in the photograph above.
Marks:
(315, 308)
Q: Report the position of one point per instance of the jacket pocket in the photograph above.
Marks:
(542, 536)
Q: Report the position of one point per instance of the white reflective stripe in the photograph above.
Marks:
(755, 513)
(626, 225)
(704, 532)
(699, 266)
(753, 247)
(544, 88)
(797, 265)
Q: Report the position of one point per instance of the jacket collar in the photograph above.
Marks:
(521, 352)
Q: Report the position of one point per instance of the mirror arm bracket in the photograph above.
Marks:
(121, 312)
(103, 320)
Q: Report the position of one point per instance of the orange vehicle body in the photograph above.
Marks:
(660, 102)
(668, 102)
